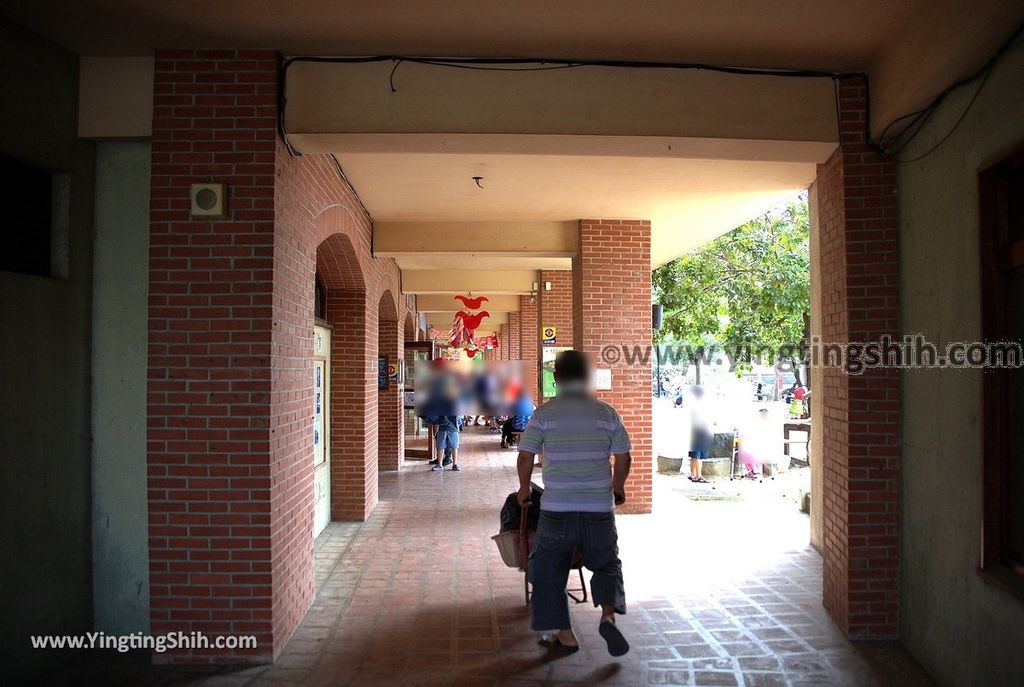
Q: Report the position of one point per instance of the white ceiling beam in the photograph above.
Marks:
(467, 239)
(466, 281)
(596, 101)
(433, 303)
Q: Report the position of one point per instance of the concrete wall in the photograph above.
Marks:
(44, 373)
(964, 631)
(119, 339)
(816, 379)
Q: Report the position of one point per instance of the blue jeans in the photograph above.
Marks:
(558, 535)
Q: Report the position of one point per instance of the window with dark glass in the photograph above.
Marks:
(319, 299)
(1001, 189)
(26, 195)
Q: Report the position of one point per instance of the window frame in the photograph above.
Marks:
(319, 299)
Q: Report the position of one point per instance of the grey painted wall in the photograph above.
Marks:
(44, 374)
(964, 631)
(119, 339)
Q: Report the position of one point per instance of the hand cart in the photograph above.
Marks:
(515, 547)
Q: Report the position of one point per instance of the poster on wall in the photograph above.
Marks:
(547, 371)
(382, 372)
(547, 334)
(394, 372)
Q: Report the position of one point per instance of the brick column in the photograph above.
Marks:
(230, 490)
(554, 309)
(612, 309)
(503, 342)
(555, 306)
(514, 352)
(856, 214)
(389, 401)
(354, 434)
(528, 346)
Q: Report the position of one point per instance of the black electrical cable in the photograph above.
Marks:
(510, 63)
(887, 147)
(892, 147)
(400, 60)
(956, 125)
(527, 64)
(341, 173)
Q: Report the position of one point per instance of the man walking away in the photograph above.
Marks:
(577, 435)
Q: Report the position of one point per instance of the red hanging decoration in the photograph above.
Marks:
(472, 303)
(472, 322)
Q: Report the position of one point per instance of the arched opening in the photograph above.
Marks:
(389, 385)
(410, 327)
(352, 464)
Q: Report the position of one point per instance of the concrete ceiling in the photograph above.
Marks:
(913, 48)
(689, 201)
(831, 34)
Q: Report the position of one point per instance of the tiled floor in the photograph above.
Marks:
(720, 592)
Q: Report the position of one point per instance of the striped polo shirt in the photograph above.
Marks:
(577, 434)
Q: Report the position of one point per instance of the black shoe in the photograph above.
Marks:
(456, 468)
(447, 462)
(433, 462)
(617, 644)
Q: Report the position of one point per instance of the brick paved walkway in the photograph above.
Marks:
(719, 593)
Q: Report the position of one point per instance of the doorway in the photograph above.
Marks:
(419, 436)
(321, 429)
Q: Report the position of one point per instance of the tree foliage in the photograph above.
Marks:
(746, 290)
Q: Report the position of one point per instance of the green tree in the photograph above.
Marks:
(747, 291)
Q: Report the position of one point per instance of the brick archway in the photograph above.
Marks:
(352, 427)
(389, 399)
(411, 331)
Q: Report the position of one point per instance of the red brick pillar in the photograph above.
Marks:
(528, 346)
(503, 342)
(555, 305)
(230, 489)
(514, 353)
(389, 401)
(861, 424)
(612, 312)
(354, 435)
(554, 310)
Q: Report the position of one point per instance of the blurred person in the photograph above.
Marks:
(442, 410)
(755, 444)
(701, 436)
(577, 434)
(519, 416)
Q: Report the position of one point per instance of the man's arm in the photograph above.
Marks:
(530, 444)
(524, 466)
(623, 461)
